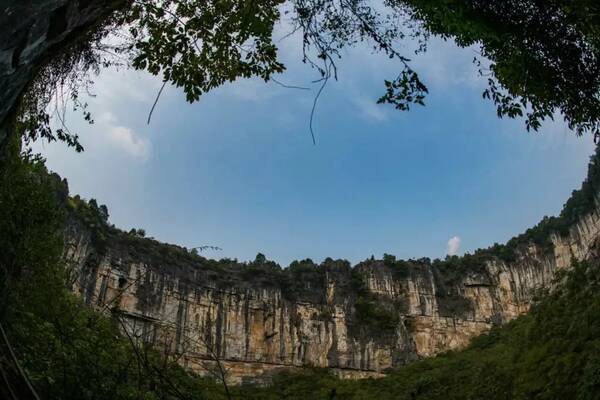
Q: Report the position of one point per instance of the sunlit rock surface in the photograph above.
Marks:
(259, 319)
(254, 321)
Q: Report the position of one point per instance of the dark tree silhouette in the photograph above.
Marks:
(543, 55)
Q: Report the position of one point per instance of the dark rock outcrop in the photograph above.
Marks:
(32, 30)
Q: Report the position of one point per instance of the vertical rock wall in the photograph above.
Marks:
(256, 319)
(255, 326)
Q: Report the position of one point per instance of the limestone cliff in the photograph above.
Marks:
(359, 321)
(257, 317)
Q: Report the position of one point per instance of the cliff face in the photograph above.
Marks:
(256, 318)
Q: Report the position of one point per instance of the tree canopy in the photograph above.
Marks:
(544, 54)
(540, 57)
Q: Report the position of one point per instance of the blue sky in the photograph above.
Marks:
(238, 169)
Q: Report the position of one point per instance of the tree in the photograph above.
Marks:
(260, 259)
(389, 259)
(198, 45)
(543, 54)
(103, 212)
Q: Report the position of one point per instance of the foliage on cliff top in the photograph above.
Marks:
(65, 349)
(303, 280)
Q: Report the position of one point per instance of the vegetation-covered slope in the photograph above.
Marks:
(65, 349)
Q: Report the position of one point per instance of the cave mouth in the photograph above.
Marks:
(402, 186)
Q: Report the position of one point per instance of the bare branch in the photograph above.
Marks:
(156, 101)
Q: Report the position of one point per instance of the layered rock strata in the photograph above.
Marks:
(255, 318)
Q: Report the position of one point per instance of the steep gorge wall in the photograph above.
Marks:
(257, 318)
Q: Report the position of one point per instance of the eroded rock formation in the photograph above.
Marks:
(257, 318)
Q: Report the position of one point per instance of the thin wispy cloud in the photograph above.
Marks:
(125, 139)
(131, 142)
(444, 66)
(370, 110)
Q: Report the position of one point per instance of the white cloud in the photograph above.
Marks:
(125, 84)
(107, 117)
(453, 246)
(249, 89)
(446, 66)
(126, 139)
